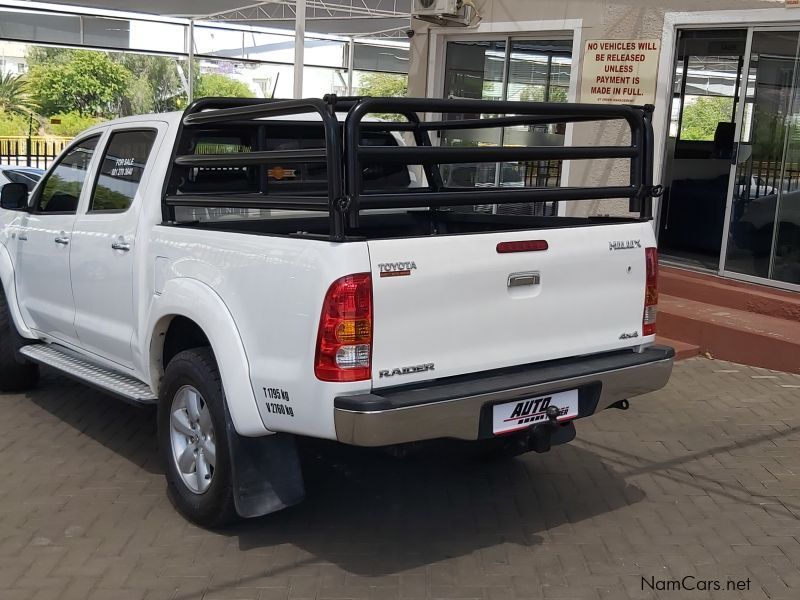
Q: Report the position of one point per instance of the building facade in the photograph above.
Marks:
(723, 77)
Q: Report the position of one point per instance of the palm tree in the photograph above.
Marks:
(14, 96)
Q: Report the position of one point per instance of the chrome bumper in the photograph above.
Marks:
(454, 407)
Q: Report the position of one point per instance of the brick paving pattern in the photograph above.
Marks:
(701, 479)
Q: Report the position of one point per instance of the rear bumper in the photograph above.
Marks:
(460, 407)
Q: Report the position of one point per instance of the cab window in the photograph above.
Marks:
(121, 170)
(62, 187)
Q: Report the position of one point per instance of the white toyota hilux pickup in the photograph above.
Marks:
(262, 270)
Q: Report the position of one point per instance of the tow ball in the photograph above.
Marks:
(548, 434)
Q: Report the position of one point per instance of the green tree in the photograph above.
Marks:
(14, 124)
(216, 85)
(83, 81)
(40, 55)
(157, 85)
(70, 124)
(701, 117)
(383, 85)
(15, 98)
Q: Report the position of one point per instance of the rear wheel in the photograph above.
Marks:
(16, 374)
(193, 439)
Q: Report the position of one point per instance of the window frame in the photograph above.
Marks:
(36, 197)
(109, 136)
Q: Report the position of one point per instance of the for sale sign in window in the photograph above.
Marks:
(620, 71)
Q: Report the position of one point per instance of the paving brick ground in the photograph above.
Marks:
(701, 479)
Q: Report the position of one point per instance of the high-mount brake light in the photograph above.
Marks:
(522, 246)
(344, 341)
(651, 291)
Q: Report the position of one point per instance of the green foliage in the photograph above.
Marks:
(107, 199)
(214, 84)
(83, 81)
(157, 85)
(701, 117)
(42, 55)
(72, 123)
(14, 95)
(57, 185)
(383, 85)
(13, 124)
(532, 93)
(558, 94)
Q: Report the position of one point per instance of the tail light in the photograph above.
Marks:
(344, 342)
(650, 291)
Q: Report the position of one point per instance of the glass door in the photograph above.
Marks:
(763, 220)
(707, 88)
(785, 267)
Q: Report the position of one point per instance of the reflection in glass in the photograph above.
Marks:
(63, 185)
(526, 71)
(765, 171)
(786, 247)
(121, 170)
(706, 92)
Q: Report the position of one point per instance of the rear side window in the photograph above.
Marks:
(62, 188)
(286, 178)
(121, 170)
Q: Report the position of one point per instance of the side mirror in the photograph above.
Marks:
(14, 196)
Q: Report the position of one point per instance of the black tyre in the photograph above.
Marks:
(193, 440)
(16, 374)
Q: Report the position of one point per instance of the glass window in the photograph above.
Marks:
(28, 177)
(62, 187)
(40, 27)
(223, 43)
(517, 70)
(106, 32)
(121, 170)
(709, 96)
(387, 59)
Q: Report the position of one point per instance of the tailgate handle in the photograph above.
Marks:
(526, 278)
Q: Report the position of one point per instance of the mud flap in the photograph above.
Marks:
(266, 472)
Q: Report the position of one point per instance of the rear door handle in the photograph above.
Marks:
(62, 239)
(520, 279)
(124, 246)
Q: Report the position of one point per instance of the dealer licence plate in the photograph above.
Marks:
(514, 416)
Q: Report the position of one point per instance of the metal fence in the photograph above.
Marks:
(772, 176)
(35, 151)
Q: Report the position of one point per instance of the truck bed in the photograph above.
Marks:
(399, 224)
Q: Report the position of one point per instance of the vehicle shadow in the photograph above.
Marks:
(372, 513)
(126, 430)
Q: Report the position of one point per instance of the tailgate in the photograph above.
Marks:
(452, 305)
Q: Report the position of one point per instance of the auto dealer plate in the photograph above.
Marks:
(518, 415)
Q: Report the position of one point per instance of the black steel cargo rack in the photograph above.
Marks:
(344, 155)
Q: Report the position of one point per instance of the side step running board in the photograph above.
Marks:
(69, 364)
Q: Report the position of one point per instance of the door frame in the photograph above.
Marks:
(750, 19)
(504, 31)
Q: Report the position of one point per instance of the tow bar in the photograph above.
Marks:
(545, 435)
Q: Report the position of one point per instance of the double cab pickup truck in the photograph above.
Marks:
(260, 270)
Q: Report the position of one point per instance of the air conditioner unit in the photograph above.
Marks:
(435, 8)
